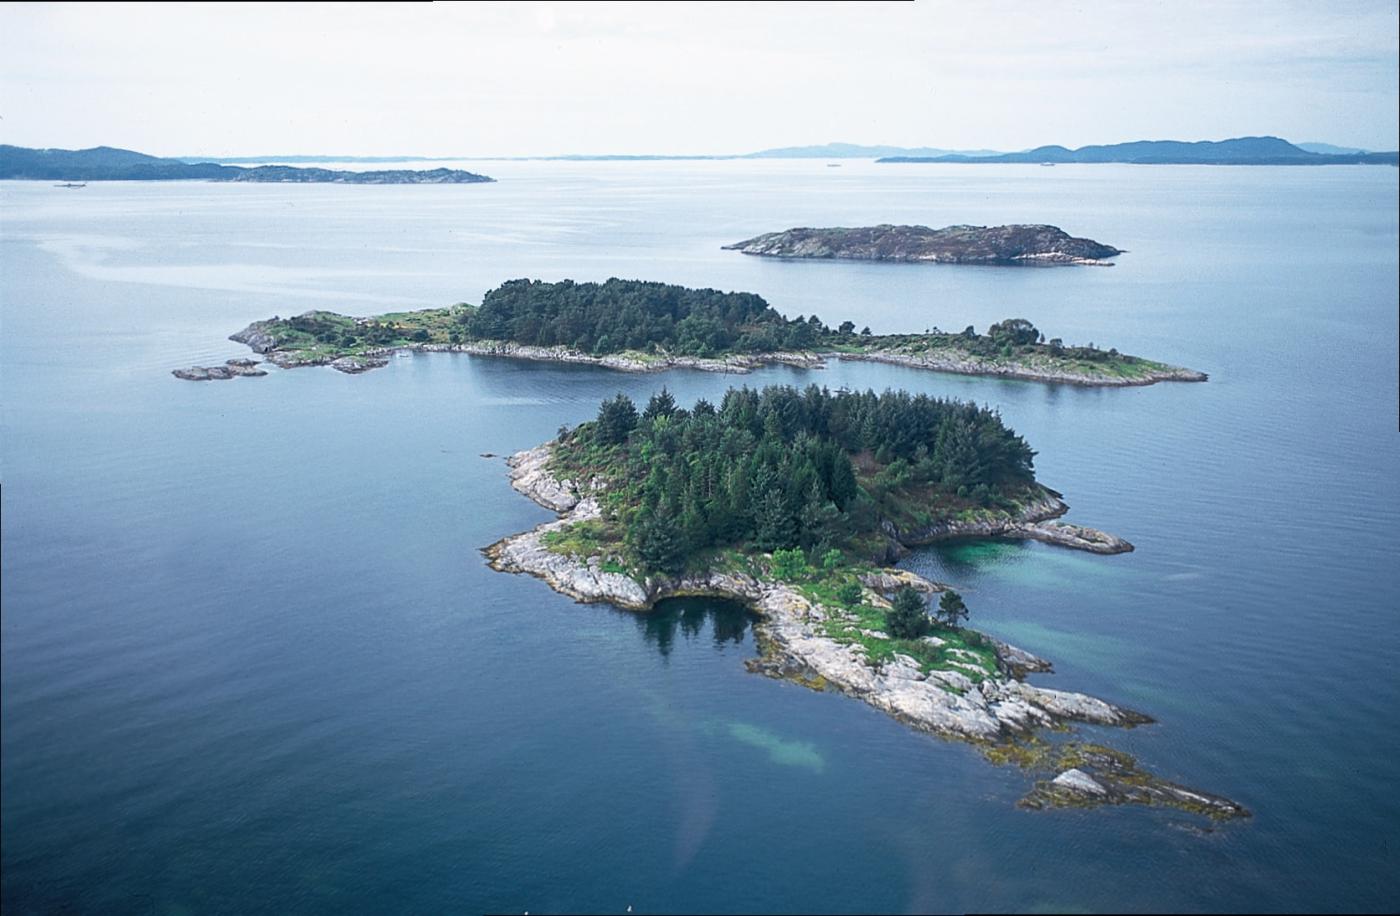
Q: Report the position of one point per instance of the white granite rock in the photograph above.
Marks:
(1080, 782)
(946, 702)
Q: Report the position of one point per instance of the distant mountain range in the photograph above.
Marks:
(1237, 151)
(105, 163)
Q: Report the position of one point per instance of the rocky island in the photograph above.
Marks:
(792, 502)
(638, 326)
(1005, 245)
(233, 368)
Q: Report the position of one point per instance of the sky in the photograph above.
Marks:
(539, 78)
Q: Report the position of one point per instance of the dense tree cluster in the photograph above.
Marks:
(1017, 335)
(601, 318)
(783, 468)
(621, 315)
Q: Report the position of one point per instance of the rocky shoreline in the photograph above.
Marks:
(626, 363)
(1089, 775)
(997, 245)
(1033, 521)
(263, 343)
(233, 368)
(957, 363)
(968, 364)
(994, 712)
(943, 702)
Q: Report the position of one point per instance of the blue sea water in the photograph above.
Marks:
(253, 660)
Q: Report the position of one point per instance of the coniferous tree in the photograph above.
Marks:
(907, 617)
(951, 609)
(660, 405)
(773, 526)
(776, 468)
(616, 419)
(656, 542)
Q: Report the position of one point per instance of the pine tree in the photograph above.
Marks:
(907, 617)
(843, 482)
(773, 526)
(817, 518)
(951, 609)
(616, 419)
(656, 542)
(660, 405)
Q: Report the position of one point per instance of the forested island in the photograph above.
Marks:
(791, 502)
(1003, 245)
(639, 325)
(105, 163)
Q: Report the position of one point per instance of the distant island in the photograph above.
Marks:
(885, 153)
(104, 163)
(1238, 151)
(790, 502)
(1011, 245)
(635, 325)
(1332, 149)
(857, 151)
(820, 151)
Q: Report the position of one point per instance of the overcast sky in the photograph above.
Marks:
(544, 78)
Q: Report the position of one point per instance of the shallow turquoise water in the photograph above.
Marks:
(253, 660)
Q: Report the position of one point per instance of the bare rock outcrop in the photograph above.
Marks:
(1033, 520)
(1016, 244)
(234, 368)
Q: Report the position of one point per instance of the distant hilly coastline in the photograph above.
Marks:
(1237, 151)
(856, 151)
(821, 151)
(1331, 150)
(105, 163)
(255, 160)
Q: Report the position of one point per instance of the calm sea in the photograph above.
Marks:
(253, 660)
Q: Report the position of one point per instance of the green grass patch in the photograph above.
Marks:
(591, 538)
(962, 650)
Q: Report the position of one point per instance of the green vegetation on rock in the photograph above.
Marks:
(648, 324)
(780, 469)
(798, 487)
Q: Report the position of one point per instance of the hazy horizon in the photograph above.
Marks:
(601, 154)
(542, 79)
